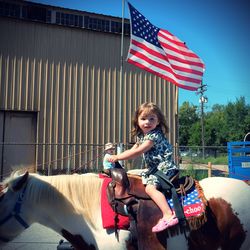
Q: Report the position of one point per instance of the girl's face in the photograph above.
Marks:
(110, 151)
(147, 122)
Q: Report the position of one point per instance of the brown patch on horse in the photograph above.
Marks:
(77, 241)
(136, 187)
(148, 215)
(131, 244)
(222, 229)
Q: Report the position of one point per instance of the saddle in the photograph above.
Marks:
(125, 190)
(124, 185)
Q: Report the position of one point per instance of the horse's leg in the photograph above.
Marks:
(77, 241)
(132, 246)
(148, 215)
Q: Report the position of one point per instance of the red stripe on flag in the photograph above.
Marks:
(147, 49)
(181, 60)
(183, 49)
(142, 66)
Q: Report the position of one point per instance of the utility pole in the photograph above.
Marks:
(203, 99)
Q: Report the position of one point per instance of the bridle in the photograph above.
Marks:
(15, 213)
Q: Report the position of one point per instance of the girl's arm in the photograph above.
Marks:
(135, 151)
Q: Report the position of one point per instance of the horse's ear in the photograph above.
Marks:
(20, 181)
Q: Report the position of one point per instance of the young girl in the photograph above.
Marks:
(149, 126)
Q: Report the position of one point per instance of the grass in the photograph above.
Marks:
(197, 174)
(220, 160)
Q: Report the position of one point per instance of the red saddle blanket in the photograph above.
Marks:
(108, 214)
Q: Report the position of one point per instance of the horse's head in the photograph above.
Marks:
(13, 219)
(50, 201)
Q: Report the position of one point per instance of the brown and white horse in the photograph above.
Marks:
(70, 205)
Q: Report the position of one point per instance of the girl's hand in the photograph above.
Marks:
(135, 151)
(112, 158)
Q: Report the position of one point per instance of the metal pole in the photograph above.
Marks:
(177, 149)
(120, 145)
(202, 127)
(203, 99)
(69, 159)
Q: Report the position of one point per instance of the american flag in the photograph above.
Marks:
(161, 53)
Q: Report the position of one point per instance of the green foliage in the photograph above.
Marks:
(187, 116)
(220, 160)
(236, 115)
(222, 124)
(196, 174)
(195, 134)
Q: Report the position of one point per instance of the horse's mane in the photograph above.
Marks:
(82, 191)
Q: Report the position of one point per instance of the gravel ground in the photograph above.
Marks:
(36, 237)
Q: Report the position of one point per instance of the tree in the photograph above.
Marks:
(222, 124)
(216, 127)
(195, 134)
(187, 117)
(237, 117)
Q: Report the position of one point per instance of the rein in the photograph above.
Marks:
(16, 213)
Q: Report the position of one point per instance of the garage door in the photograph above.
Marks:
(18, 138)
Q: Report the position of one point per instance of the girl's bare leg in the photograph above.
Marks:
(160, 201)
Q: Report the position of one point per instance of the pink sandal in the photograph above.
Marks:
(164, 224)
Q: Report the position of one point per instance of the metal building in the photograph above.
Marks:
(60, 88)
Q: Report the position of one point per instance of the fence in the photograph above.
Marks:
(194, 153)
(214, 162)
(239, 160)
(50, 159)
(55, 158)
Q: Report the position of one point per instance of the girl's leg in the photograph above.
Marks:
(168, 219)
(160, 201)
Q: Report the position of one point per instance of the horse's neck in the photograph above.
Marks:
(54, 210)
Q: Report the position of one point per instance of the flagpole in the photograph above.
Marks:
(177, 145)
(120, 146)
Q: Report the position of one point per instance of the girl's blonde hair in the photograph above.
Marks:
(149, 108)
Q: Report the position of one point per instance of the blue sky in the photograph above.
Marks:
(216, 30)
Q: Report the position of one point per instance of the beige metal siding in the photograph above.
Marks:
(71, 77)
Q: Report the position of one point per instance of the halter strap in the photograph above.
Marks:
(4, 239)
(16, 212)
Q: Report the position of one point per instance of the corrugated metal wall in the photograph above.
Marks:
(71, 78)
